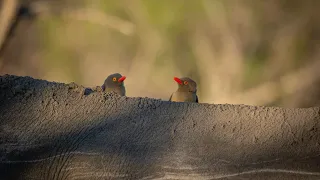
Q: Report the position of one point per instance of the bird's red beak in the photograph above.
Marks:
(177, 80)
(121, 79)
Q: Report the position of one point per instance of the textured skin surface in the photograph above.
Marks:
(53, 131)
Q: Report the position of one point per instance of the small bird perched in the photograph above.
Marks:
(114, 82)
(187, 90)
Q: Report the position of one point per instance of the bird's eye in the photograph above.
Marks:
(185, 83)
(114, 79)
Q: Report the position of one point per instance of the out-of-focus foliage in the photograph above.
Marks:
(245, 52)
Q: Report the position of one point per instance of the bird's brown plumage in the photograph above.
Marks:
(115, 83)
(186, 92)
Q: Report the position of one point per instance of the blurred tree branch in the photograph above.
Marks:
(91, 15)
(7, 14)
(268, 92)
(96, 17)
(150, 42)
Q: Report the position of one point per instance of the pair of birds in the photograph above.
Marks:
(186, 92)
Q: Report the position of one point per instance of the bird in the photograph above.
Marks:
(115, 83)
(186, 92)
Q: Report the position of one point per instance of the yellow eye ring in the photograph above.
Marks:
(114, 79)
(185, 82)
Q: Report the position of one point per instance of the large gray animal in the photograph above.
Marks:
(53, 131)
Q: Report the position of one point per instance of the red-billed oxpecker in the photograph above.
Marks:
(186, 92)
(115, 83)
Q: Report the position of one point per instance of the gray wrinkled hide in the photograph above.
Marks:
(53, 131)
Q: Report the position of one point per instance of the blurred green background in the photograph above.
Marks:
(238, 51)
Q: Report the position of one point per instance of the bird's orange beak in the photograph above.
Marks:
(177, 80)
(121, 79)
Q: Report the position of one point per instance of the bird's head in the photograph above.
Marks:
(186, 84)
(114, 80)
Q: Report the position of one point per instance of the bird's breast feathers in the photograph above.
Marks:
(121, 91)
(183, 97)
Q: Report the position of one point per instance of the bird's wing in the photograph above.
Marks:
(103, 87)
(197, 101)
(170, 97)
